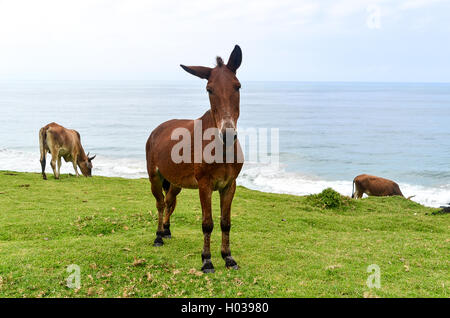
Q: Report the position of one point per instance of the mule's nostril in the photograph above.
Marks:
(228, 134)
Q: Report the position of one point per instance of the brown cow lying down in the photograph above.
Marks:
(66, 143)
(375, 186)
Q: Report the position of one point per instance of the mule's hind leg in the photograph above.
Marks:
(226, 198)
(156, 185)
(170, 202)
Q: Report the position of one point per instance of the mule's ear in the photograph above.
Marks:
(200, 71)
(235, 59)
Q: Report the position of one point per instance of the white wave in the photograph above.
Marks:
(103, 166)
(428, 196)
(124, 167)
(266, 178)
(20, 161)
(273, 179)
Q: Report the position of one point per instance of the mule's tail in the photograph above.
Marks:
(409, 198)
(42, 145)
(165, 183)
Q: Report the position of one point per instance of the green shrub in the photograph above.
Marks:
(327, 199)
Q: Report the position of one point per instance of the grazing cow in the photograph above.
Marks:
(375, 186)
(66, 143)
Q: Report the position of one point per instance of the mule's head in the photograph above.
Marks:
(223, 90)
(86, 166)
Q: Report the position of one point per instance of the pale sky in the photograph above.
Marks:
(292, 40)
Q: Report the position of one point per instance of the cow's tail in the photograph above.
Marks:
(42, 142)
(409, 198)
(353, 189)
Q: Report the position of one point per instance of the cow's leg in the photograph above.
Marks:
(59, 166)
(226, 198)
(170, 203)
(43, 150)
(157, 191)
(205, 191)
(358, 191)
(75, 167)
(53, 163)
(43, 162)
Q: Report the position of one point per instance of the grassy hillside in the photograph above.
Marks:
(285, 245)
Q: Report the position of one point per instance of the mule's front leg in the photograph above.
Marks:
(226, 198)
(205, 191)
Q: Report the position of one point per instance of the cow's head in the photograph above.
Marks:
(86, 166)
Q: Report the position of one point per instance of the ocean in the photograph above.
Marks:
(328, 132)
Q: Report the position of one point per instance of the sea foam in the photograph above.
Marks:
(266, 178)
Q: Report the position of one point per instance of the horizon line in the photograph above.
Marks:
(261, 81)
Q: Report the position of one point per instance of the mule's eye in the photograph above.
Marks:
(238, 87)
(209, 90)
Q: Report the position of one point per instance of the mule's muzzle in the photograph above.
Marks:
(228, 136)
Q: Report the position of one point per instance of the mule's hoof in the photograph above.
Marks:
(44, 177)
(208, 267)
(208, 270)
(231, 263)
(166, 233)
(158, 242)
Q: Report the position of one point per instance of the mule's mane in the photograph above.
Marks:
(219, 61)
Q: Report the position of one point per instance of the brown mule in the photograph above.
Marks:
(170, 176)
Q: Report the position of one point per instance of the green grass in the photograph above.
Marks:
(285, 245)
